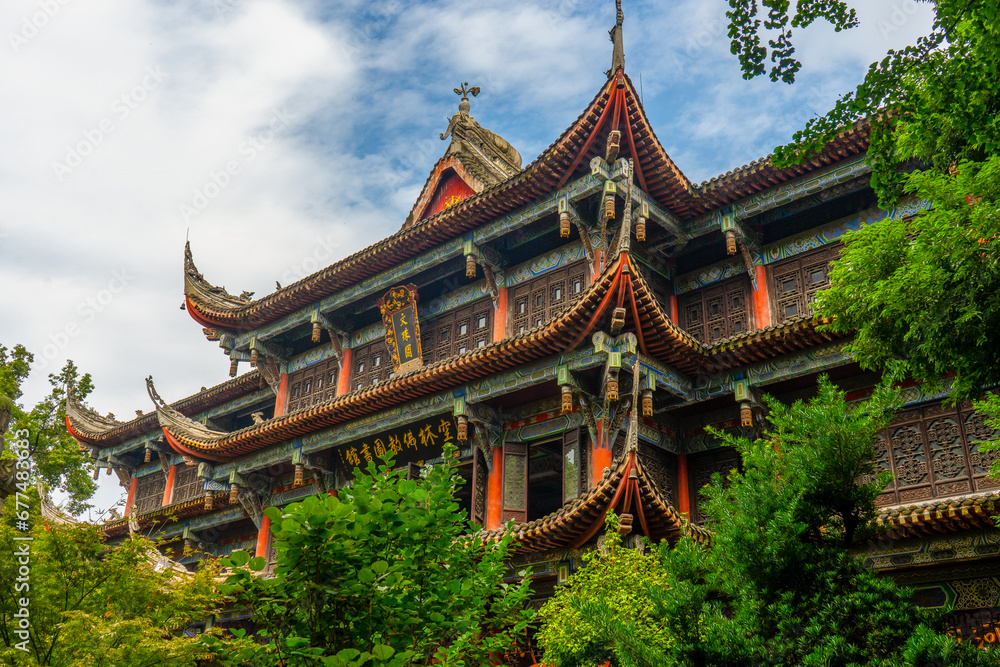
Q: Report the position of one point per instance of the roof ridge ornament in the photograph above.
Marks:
(488, 156)
(618, 53)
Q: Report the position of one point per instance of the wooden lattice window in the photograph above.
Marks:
(701, 467)
(717, 312)
(313, 385)
(148, 493)
(661, 467)
(457, 331)
(933, 452)
(370, 364)
(795, 281)
(540, 299)
(187, 484)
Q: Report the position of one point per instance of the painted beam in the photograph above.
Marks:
(766, 200)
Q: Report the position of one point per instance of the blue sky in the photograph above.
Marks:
(282, 135)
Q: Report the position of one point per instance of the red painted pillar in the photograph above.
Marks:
(131, 496)
(761, 302)
(673, 308)
(683, 493)
(494, 497)
(500, 315)
(262, 535)
(600, 454)
(168, 491)
(344, 377)
(282, 399)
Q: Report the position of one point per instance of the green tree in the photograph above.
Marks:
(936, 102)
(55, 455)
(921, 294)
(387, 573)
(573, 632)
(745, 30)
(924, 294)
(778, 585)
(95, 605)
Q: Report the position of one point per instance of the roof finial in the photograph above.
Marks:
(618, 55)
(464, 91)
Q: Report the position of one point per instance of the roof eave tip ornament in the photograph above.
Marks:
(618, 53)
(463, 106)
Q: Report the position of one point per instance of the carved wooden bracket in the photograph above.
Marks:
(492, 264)
(252, 506)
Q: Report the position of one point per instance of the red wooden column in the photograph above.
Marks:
(344, 376)
(262, 535)
(683, 494)
(131, 496)
(168, 490)
(673, 308)
(761, 302)
(600, 454)
(500, 315)
(494, 497)
(282, 399)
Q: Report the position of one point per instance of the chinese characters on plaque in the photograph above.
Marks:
(402, 330)
(414, 442)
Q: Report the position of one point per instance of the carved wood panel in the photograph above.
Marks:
(933, 452)
(661, 468)
(540, 299)
(717, 312)
(515, 482)
(148, 493)
(457, 331)
(574, 464)
(313, 385)
(187, 484)
(480, 487)
(370, 363)
(795, 281)
(701, 467)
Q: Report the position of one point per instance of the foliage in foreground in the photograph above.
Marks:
(923, 294)
(386, 574)
(91, 605)
(573, 635)
(55, 454)
(778, 586)
(937, 101)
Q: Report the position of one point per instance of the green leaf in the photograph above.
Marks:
(348, 654)
(239, 558)
(382, 651)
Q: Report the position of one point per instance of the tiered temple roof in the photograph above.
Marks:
(616, 108)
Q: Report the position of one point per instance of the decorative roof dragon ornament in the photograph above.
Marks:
(486, 154)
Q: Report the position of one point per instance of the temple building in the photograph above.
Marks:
(573, 326)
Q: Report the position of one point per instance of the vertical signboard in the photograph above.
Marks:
(402, 330)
